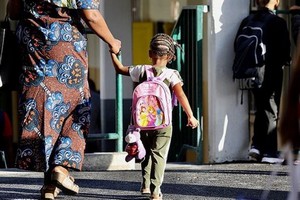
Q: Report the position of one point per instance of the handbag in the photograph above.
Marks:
(10, 57)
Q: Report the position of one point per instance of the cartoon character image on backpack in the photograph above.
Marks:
(134, 147)
(143, 115)
(149, 112)
(152, 102)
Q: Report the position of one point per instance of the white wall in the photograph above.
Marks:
(165, 10)
(227, 120)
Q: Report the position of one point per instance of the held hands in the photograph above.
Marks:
(115, 46)
(193, 122)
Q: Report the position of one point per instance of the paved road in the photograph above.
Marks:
(182, 182)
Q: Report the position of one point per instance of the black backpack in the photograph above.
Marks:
(249, 62)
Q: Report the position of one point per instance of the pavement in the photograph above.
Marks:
(183, 181)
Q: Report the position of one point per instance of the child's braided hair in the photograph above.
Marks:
(162, 44)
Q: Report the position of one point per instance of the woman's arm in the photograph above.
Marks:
(192, 121)
(96, 22)
(119, 67)
(14, 9)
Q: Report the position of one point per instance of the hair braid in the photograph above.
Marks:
(162, 44)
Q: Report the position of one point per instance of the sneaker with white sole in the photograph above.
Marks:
(145, 191)
(272, 159)
(254, 154)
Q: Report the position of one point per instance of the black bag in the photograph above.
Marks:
(249, 62)
(10, 58)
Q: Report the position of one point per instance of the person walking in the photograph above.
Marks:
(157, 142)
(54, 103)
(267, 97)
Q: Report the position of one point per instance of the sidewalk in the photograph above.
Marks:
(182, 181)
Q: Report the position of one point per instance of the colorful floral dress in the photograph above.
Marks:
(55, 100)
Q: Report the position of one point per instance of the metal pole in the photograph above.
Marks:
(119, 111)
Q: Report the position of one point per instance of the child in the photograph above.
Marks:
(157, 142)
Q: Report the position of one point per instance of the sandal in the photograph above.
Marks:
(64, 182)
(49, 192)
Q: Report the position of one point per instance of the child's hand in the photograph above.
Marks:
(193, 122)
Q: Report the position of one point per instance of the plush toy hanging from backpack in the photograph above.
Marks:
(134, 148)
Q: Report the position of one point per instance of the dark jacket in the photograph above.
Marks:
(276, 36)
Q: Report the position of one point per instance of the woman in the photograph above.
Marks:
(55, 99)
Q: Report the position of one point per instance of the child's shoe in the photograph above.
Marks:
(156, 196)
(145, 191)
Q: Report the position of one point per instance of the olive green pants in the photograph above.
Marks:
(157, 145)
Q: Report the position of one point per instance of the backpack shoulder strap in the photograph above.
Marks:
(149, 71)
(166, 73)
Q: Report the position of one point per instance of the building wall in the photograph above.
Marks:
(226, 126)
(157, 10)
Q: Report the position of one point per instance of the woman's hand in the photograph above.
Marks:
(115, 47)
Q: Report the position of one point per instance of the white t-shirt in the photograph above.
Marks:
(138, 70)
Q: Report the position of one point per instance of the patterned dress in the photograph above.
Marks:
(55, 99)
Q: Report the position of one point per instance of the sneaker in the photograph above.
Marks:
(254, 154)
(145, 191)
(156, 197)
(272, 159)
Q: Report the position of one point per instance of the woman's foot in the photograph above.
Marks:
(60, 178)
(49, 192)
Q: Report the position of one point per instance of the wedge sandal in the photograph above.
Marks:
(64, 182)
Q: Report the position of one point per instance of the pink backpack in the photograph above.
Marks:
(152, 102)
